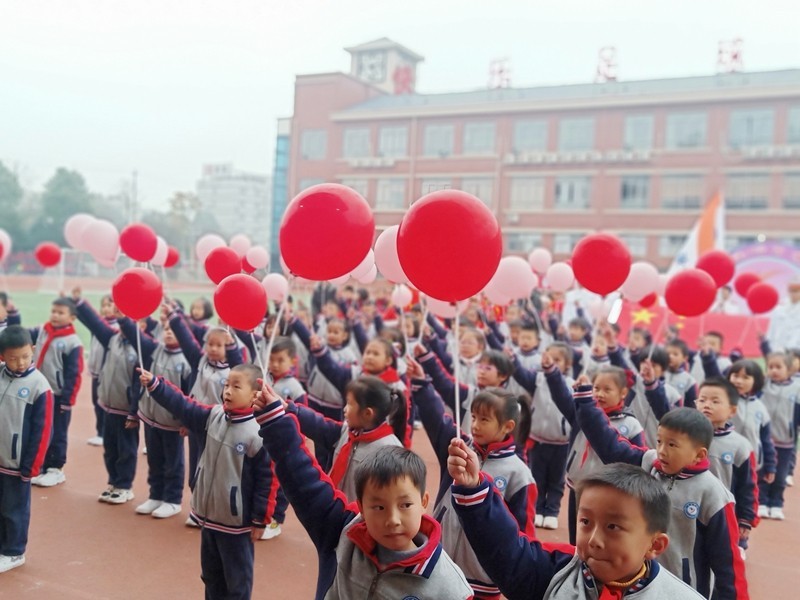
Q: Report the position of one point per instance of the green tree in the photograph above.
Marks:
(11, 194)
(64, 195)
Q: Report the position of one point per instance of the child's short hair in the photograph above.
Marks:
(518, 323)
(579, 322)
(680, 345)
(66, 302)
(208, 308)
(386, 466)
(396, 338)
(659, 357)
(252, 372)
(505, 406)
(562, 348)
(13, 337)
(646, 335)
(691, 422)
(635, 482)
(479, 337)
(619, 375)
(529, 326)
(751, 368)
(716, 334)
(723, 384)
(284, 344)
(215, 330)
(503, 364)
(786, 357)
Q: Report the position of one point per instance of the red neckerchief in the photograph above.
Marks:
(356, 437)
(687, 472)
(495, 449)
(611, 410)
(430, 527)
(52, 333)
(388, 375)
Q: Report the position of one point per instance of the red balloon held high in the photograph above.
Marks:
(241, 301)
(690, 292)
(719, 265)
(137, 292)
(221, 262)
(139, 242)
(762, 298)
(601, 263)
(173, 256)
(744, 281)
(48, 254)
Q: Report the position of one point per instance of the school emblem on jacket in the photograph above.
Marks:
(691, 510)
(623, 429)
(24, 392)
(239, 448)
(727, 458)
(501, 483)
(60, 345)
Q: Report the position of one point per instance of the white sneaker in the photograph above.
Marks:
(119, 496)
(11, 562)
(776, 512)
(36, 481)
(550, 523)
(743, 553)
(105, 494)
(790, 480)
(167, 510)
(537, 520)
(51, 478)
(417, 426)
(763, 511)
(190, 522)
(272, 530)
(147, 508)
(95, 441)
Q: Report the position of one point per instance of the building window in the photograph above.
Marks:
(307, 183)
(314, 144)
(530, 136)
(791, 191)
(637, 244)
(480, 187)
(438, 140)
(563, 243)
(686, 130)
(434, 185)
(527, 193)
(355, 143)
(522, 241)
(734, 241)
(635, 192)
(747, 192)
(793, 133)
(478, 138)
(575, 134)
(572, 193)
(638, 132)
(359, 185)
(393, 141)
(670, 245)
(682, 192)
(751, 127)
(391, 194)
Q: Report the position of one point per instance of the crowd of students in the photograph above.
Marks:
(545, 407)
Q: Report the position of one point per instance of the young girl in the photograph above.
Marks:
(782, 399)
(500, 420)
(97, 356)
(200, 313)
(374, 416)
(471, 344)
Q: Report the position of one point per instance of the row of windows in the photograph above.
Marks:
(747, 127)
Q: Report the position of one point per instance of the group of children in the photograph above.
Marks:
(544, 406)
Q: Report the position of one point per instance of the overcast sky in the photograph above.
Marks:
(163, 86)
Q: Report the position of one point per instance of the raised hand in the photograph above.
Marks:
(462, 464)
(315, 342)
(414, 370)
(647, 371)
(145, 377)
(547, 360)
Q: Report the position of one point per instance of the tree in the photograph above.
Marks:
(11, 194)
(64, 195)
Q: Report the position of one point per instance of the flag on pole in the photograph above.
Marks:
(707, 234)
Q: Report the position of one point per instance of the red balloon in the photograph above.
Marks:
(449, 245)
(137, 292)
(648, 300)
(138, 241)
(719, 265)
(762, 298)
(241, 301)
(690, 292)
(744, 281)
(326, 232)
(246, 266)
(48, 254)
(221, 262)
(601, 263)
(173, 256)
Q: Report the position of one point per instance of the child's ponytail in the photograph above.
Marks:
(398, 413)
(389, 405)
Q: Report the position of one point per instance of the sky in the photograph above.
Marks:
(161, 87)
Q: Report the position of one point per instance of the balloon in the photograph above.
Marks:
(222, 262)
(512, 280)
(762, 298)
(137, 292)
(641, 281)
(719, 265)
(74, 230)
(108, 263)
(365, 266)
(5, 244)
(540, 260)
(601, 263)
(240, 244)
(496, 296)
(276, 286)
(326, 231)
(138, 241)
(744, 281)
(206, 244)
(449, 245)
(444, 309)
(102, 241)
(48, 254)
(598, 309)
(369, 277)
(338, 281)
(663, 278)
(258, 257)
(162, 251)
(386, 256)
(690, 292)
(648, 300)
(401, 296)
(560, 277)
(241, 301)
(246, 266)
(173, 256)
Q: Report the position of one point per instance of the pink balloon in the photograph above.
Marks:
(5, 245)
(540, 260)
(102, 241)
(277, 287)
(443, 309)
(496, 296)
(341, 280)
(74, 230)
(369, 277)
(560, 277)
(661, 288)
(258, 257)
(512, 280)
(240, 244)
(386, 256)
(108, 263)
(401, 296)
(162, 250)
(206, 244)
(365, 266)
(641, 281)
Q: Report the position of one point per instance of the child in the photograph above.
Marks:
(639, 341)
(59, 357)
(624, 515)
(97, 356)
(578, 332)
(235, 488)
(711, 342)
(26, 412)
(382, 546)
(201, 312)
(705, 534)
(677, 375)
(527, 350)
(471, 345)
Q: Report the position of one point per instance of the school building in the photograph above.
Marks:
(636, 158)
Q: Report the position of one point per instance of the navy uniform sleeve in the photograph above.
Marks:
(744, 485)
(338, 375)
(360, 334)
(444, 384)
(247, 340)
(191, 349)
(656, 397)
(720, 547)
(559, 390)
(40, 419)
(233, 356)
(263, 484)
(606, 441)
(525, 377)
(768, 448)
(324, 431)
(192, 414)
(128, 328)
(73, 371)
(94, 323)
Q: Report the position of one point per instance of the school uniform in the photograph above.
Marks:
(686, 385)
(652, 400)
(782, 400)
(94, 364)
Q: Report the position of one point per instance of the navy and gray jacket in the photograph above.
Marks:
(61, 363)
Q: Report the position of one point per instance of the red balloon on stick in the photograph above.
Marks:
(137, 292)
(139, 242)
(449, 245)
(762, 298)
(241, 301)
(246, 266)
(173, 256)
(744, 281)
(221, 262)
(48, 254)
(326, 232)
(601, 263)
(648, 300)
(690, 292)
(719, 265)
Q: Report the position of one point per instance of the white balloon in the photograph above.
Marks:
(369, 277)
(240, 244)
(641, 281)
(75, 228)
(401, 295)
(162, 249)
(341, 280)
(560, 277)
(444, 309)
(540, 260)
(258, 257)
(206, 244)
(365, 266)
(276, 286)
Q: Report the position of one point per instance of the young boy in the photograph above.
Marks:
(711, 342)
(677, 375)
(234, 490)
(59, 357)
(383, 546)
(26, 412)
(704, 534)
(623, 516)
